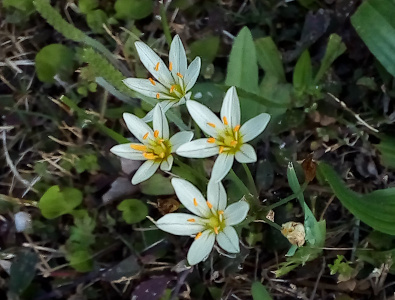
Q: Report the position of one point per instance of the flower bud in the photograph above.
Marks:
(294, 232)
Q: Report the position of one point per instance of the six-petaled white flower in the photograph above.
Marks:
(211, 220)
(170, 83)
(156, 147)
(227, 137)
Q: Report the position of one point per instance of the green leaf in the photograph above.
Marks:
(52, 60)
(133, 9)
(269, 58)
(303, 73)
(22, 272)
(157, 185)
(133, 210)
(96, 19)
(56, 202)
(387, 151)
(376, 209)
(23, 5)
(86, 6)
(334, 49)
(206, 48)
(259, 292)
(80, 260)
(375, 23)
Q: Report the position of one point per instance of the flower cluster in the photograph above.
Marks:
(211, 219)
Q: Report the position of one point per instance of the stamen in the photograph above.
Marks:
(152, 81)
(160, 141)
(236, 129)
(179, 75)
(170, 66)
(221, 149)
(162, 155)
(210, 206)
(233, 143)
(156, 133)
(198, 235)
(138, 147)
(220, 212)
(211, 124)
(157, 66)
(216, 230)
(211, 140)
(195, 202)
(172, 88)
(157, 96)
(225, 120)
(145, 136)
(150, 156)
(191, 220)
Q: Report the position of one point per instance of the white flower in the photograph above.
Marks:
(156, 147)
(211, 220)
(228, 138)
(170, 83)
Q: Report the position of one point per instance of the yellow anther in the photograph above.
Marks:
(195, 202)
(191, 220)
(172, 88)
(152, 81)
(157, 66)
(225, 120)
(221, 149)
(150, 156)
(138, 147)
(210, 206)
(180, 75)
(162, 155)
(145, 136)
(198, 235)
(160, 141)
(211, 124)
(170, 66)
(220, 212)
(156, 133)
(233, 143)
(216, 230)
(237, 127)
(157, 96)
(211, 140)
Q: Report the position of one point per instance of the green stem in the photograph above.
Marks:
(252, 200)
(251, 182)
(274, 225)
(289, 198)
(165, 25)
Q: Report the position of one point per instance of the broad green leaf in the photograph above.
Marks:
(86, 6)
(375, 23)
(56, 202)
(22, 272)
(206, 48)
(242, 72)
(133, 210)
(52, 60)
(81, 260)
(259, 292)
(96, 19)
(23, 5)
(387, 151)
(133, 9)
(269, 58)
(303, 73)
(157, 185)
(376, 209)
(334, 49)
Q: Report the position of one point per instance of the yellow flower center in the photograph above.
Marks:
(229, 141)
(156, 148)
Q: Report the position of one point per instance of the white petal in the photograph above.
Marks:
(125, 151)
(192, 73)
(216, 195)
(177, 223)
(231, 107)
(236, 213)
(189, 195)
(146, 170)
(201, 248)
(229, 240)
(146, 88)
(167, 164)
(199, 148)
(165, 105)
(179, 139)
(221, 167)
(160, 122)
(203, 116)
(137, 126)
(254, 127)
(246, 154)
(177, 57)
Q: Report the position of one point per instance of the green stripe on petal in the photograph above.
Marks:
(222, 166)
(246, 154)
(160, 122)
(178, 58)
(216, 195)
(231, 107)
(201, 247)
(228, 240)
